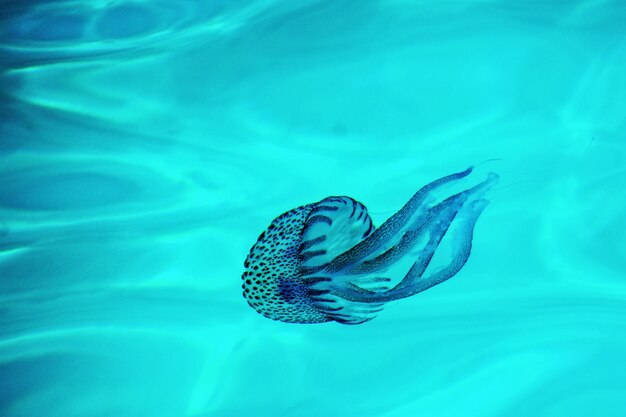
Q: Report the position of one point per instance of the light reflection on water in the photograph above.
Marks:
(145, 145)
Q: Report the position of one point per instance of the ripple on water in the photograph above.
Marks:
(58, 30)
(138, 21)
(66, 190)
(80, 186)
(68, 356)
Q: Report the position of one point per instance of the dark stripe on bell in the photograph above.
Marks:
(319, 219)
(338, 320)
(312, 242)
(314, 292)
(308, 270)
(350, 320)
(353, 208)
(329, 309)
(369, 229)
(305, 256)
(315, 280)
(346, 316)
(323, 208)
(323, 300)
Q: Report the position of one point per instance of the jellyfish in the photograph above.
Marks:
(326, 261)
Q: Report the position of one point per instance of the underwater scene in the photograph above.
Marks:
(271, 208)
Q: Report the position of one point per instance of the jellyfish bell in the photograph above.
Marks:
(326, 261)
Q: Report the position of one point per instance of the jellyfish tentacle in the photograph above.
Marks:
(461, 205)
(404, 248)
(372, 283)
(392, 227)
(387, 258)
(440, 215)
(414, 281)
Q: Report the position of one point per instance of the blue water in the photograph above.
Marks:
(145, 145)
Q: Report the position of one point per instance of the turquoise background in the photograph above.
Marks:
(146, 144)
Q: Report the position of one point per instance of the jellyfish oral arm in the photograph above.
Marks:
(393, 227)
(419, 241)
(416, 280)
